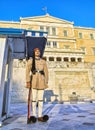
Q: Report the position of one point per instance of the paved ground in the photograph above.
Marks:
(62, 117)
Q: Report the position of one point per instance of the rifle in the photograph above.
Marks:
(30, 119)
(29, 103)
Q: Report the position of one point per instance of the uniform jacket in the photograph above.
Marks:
(39, 81)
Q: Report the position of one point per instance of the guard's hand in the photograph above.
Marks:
(28, 85)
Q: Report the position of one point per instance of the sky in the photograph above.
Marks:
(81, 12)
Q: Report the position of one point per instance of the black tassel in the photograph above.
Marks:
(33, 63)
(45, 117)
(32, 119)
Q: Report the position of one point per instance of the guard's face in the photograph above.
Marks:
(37, 53)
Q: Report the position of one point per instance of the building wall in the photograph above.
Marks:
(72, 39)
(71, 68)
(65, 78)
(86, 42)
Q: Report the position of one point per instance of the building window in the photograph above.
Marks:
(51, 58)
(72, 59)
(91, 36)
(83, 49)
(80, 35)
(66, 46)
(66, 59)
(58, 58)
(79, 59)
(54, 44)
(44, 58)
(48, 44)
(93, 49)
(48, 30)
(53, 31)
(42, 28)
(65, 33)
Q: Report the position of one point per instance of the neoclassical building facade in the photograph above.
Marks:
(70, 55)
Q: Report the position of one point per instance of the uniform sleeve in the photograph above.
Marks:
(46, 72)
(28, 69)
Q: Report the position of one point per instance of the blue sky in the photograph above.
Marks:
(81, 12)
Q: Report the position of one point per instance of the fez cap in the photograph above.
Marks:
(36, 49)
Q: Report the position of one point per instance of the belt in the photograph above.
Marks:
(38, 71)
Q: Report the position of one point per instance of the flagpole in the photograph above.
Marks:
(45, 9)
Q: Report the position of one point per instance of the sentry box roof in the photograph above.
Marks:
(25, 41)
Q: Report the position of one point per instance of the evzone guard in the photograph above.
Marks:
(36, 81)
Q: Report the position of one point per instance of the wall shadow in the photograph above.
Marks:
(49, 96)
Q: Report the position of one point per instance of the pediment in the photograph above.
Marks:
(46, 18)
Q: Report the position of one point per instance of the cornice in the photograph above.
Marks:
(45, 16)
(86, 28)
(9, 22)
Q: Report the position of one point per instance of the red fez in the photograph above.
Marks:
(36, 49)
